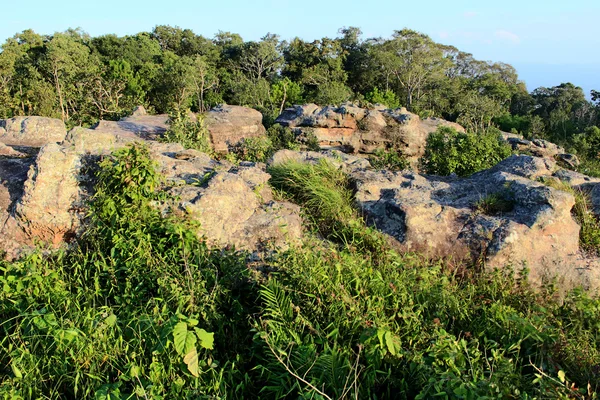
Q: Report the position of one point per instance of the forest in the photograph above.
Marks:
(138, 306)
(82, 79)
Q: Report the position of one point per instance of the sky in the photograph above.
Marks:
(548, 42)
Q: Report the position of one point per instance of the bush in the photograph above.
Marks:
(190, 134)
(387, 97)
(448, 151)
(282, 137)
(256, 149)
(388, 159)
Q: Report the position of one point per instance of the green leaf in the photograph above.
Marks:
(191, 360)
(561, 376)
(111, 320)
(16, 371)
(390, 342)
(207, 339)
(183, 339)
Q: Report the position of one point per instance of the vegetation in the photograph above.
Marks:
(388, 159)
(141, 308)
(190, 134)
(496, 203)
(448, 151)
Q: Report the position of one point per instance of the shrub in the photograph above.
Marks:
(190, 134)
(388, 159)
(448, 151)
(387, 97)
(282, 137)
(256, 149)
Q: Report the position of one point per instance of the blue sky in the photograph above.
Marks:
(549, 41)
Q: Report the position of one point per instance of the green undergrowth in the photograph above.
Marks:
(143, 309)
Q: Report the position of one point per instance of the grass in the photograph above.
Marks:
(495, 203)
(143, 309)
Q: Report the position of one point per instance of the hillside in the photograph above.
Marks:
(334, 232)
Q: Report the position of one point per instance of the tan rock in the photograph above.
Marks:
(31, 131)
(229, 125)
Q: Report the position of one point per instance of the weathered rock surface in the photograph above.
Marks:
(31, 131)
(43, 198)
(233, 212)
(444, 217)
(540, 148)
(228, 125)
(500, 217)
(7, 151)
(353, 129)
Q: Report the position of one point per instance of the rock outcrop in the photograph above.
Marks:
(500, 217)
(540, 148)
(354, 129)
(43, 197)
(228, 125)
(31, 131)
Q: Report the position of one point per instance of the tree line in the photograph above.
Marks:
(81, 79)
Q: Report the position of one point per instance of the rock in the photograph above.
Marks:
(575, 179)
(31, 131)
(139, 111)
(353, 129)
(43, 199)
(150, 127)
(531, 227)
(7, 151)
(229, 125)
(570, 160)
(232, 212)
(536, 147)
(51, 207)
(347, 162)
(96, 141)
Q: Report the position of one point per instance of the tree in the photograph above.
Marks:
(412, 60)
(69, 65)
(204, 78)
(477, 112)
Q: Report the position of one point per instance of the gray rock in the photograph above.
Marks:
(31, 131)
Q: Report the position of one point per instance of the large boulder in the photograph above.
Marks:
(499, 217)
(236, 209)
(50, 208)
(350, 128)
(229, 125)
(31, 131)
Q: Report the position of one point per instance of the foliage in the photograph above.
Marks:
(142, 308)
(388, 159)
(137, 310)
(82, 79)
(256, 149)
(448, 151)
(496, 203)
(387, 97)
(190, 134)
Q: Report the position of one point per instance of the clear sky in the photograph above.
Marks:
(549, 41)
